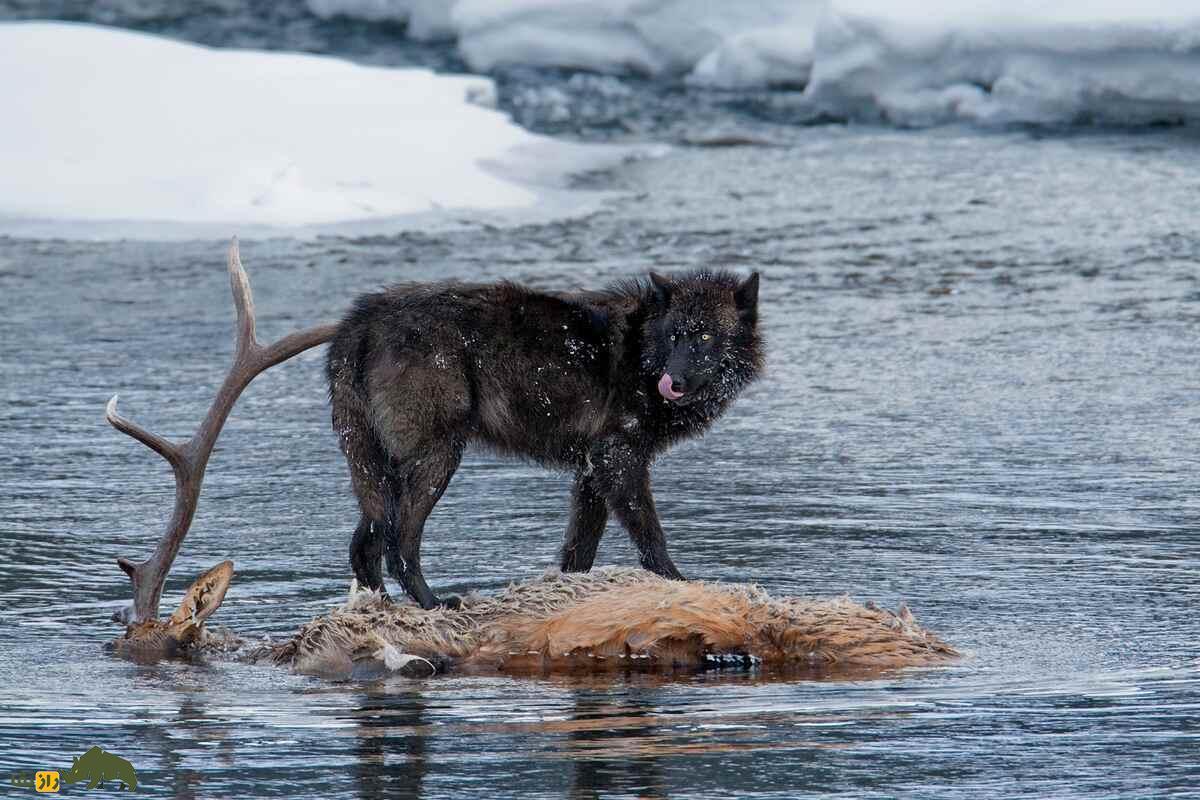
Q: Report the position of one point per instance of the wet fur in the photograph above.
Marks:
(418, 372)
(614, 618)
(155, 639)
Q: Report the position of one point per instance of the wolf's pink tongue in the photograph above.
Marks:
(664, 387)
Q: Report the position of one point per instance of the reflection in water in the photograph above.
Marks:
(162, 737)
(391, 741)
(601, 769)
(186, 782)
(980, 400)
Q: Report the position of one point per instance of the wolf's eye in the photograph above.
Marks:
(672, 337)
(704, 337)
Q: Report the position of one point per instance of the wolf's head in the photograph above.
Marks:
(702, 340)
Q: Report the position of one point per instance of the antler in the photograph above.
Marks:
(189, 459)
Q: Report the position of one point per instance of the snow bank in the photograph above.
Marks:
(109, 125)
(914, 62)
(720, 42)
(774, 55)
(667, 37)
(1006, 61)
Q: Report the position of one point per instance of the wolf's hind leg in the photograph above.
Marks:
(589, 515)
(370, 476)
(366, 554)
(424, 485)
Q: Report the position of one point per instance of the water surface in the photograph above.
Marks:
(981, 400)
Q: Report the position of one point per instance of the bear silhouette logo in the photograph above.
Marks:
(97, 766)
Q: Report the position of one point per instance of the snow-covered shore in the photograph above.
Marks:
(105, 127)
(716, 42)
(911, 62)
(1009, 61)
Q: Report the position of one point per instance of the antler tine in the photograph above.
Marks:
(281, 349)
(168, 450)
(190, 460)
(295, 343)
(243, 301)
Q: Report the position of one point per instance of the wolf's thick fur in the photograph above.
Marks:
(597, 383)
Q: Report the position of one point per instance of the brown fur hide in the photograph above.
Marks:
(611, 619)
(184, 630)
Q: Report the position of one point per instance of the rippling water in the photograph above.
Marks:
(981, 400)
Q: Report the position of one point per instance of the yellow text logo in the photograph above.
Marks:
(46, 781)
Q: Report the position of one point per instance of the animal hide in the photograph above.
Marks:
(613, 619)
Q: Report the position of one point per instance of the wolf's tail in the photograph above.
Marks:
(346, 368)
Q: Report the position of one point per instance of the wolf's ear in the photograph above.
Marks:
(662, 287)
(745, 296)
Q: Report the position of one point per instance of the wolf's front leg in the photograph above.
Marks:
(622, 475)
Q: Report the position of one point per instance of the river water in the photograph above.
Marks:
(981, 400)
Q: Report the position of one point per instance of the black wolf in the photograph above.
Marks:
(594, 382)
